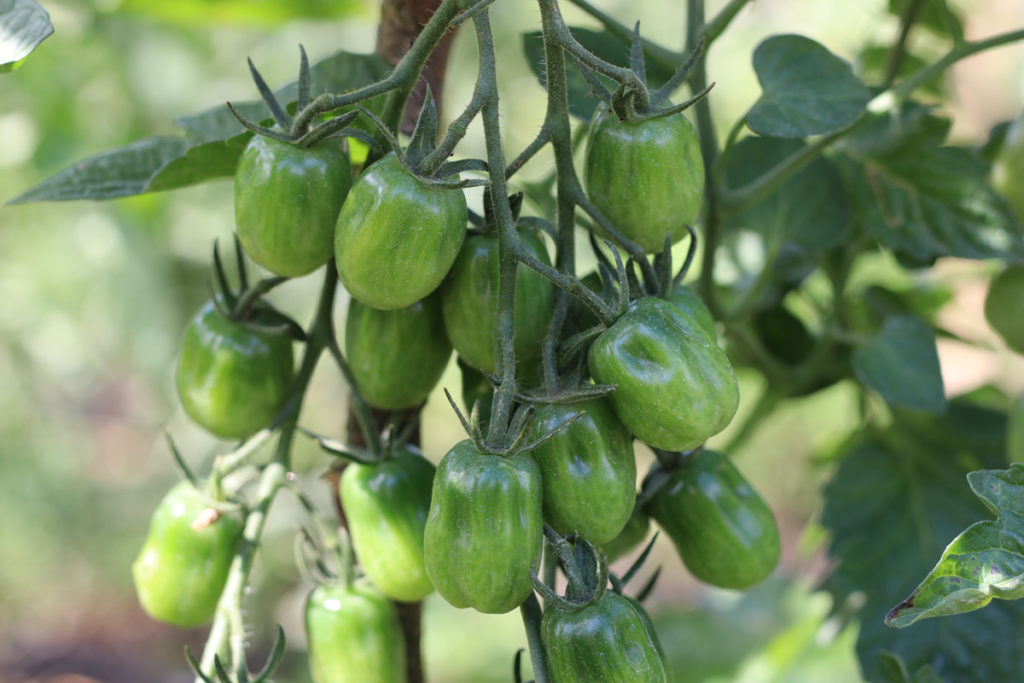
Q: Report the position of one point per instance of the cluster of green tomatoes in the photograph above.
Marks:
(472, 528)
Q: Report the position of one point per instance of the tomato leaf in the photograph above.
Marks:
(807, 90)
(901, 363)
(582, 100)
(23, 25)
(924, 200)
(986, 561)
(932, 17)
(896, 497)
(209, 149)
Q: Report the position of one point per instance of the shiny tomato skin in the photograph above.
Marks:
(287, 200)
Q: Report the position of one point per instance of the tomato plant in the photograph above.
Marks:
(287, 201)
(660, 155)
(484, 528)
(675, 387)
(819, 214)
(354, 635)
(396, 238)
(387, 504)
(181, 570)
(231, 378)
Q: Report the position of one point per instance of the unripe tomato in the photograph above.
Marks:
(1004, 306)
(396, 238)
(287, 200)
(588, 470)
(485, 528)
(386, 505)
(354, 635)
(469, 300)
(647, 178)
(631, 536)
(687, 301)
(674, 386)
(1008, 169)
(231, 379)
(183, 565)
(607, 641)
(396, 356)
(722, 529)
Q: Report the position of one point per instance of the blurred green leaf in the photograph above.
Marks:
(932, 17)
(902, 364)
(986, 561)
(891, 669)
(921, 199)
(808, 213)
(1015, 431)
(209, 149)
(897, 496)
(807, 90)
(258, 12)
(23, 25)
(873, 62)
(582, 101)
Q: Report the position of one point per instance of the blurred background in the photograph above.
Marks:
(94, 297)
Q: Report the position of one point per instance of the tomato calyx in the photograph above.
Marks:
(425, 161)
(290, 130)
(245, 305)
(585, 568)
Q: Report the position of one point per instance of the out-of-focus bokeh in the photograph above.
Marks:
(93, 299)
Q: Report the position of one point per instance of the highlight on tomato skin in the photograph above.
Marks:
(232, 379)
(287, 200)
(183, 565)
(395, 238)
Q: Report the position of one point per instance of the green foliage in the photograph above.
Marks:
(209, 149)
(23, 25)
(901, 362)
(986, 561)
(896, 498)
(806, 90)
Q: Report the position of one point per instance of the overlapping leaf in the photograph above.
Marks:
(23, 25)
(807, 90)
(901, 363)
(896, 498)
(921, 199)
(984, 562)
(209, 149)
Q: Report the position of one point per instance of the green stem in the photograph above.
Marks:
(508, 240)
(662, 56)
(721, 21)
(899, 50)
(531, 613)
(228, 625)
(744, 197)
(399, 82)
(709, 153)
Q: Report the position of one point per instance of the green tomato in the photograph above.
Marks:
(1008, 168)
(1003, 307)
(647, 178)
(287, 200)
(674, 386)
(231, 379)
(1015, 431)
(386, 505)
(631, 536)
(485, 528)
(469, 300)
(354, 636)
(396, 356)
(722, 529)
(588, 470)
(396, 238)
(183, 565)
(687, 301)
(607, 641)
